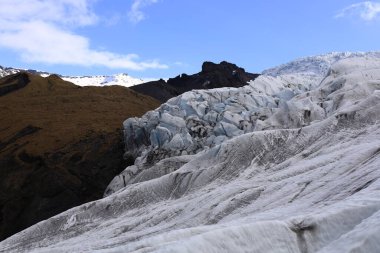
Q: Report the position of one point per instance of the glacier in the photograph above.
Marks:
(288, 163)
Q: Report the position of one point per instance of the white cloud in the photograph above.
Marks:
(367, 10)
(135, 14)
(64, 12)
(41, 31)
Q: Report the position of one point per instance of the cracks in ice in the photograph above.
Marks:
(302, 189)
(240, 200)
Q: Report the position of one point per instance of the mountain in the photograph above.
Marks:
(60, 145)
(288, 163)
(97, 80)
(211, 76)
(5, 71)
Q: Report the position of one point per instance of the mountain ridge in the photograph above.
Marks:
(121, 79)
(212, 75)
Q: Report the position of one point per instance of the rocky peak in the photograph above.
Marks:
(213, 75)
(222, 66)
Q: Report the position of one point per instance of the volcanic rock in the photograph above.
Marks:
(212, 76)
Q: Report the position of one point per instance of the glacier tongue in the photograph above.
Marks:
(302, 175)
(202, 119)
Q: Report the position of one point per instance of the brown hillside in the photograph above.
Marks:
(60, 144)
(66, 112)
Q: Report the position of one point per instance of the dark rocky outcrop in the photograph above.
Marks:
(36, 187)
(159, 90)
(13, 83)
(212, 76)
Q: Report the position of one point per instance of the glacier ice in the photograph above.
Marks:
(300, 174)
(202, 119)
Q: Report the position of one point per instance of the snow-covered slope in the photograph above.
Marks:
(118, 79)
(316, 65)
(5, 71)
(301, 175)
(100, 80)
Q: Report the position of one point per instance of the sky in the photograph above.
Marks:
(164, 38)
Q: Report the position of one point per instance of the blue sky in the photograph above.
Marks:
(163, 38)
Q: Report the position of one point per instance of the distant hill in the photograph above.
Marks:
(95, 80)
(60, 144)
(212, 76)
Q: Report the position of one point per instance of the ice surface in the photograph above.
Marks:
(316, 65)
(293, 182)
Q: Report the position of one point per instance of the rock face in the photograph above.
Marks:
(13, 83)
(212, 76)
(60, 145)
(159, 90)
(304, 178)
(37, 187)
